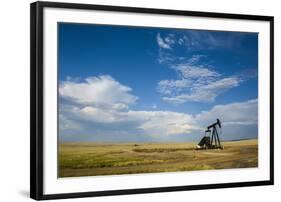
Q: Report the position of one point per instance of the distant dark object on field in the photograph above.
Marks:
(211, 139)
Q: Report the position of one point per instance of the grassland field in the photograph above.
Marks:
(91, 159)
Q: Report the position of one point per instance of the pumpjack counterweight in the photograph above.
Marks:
(211, 139)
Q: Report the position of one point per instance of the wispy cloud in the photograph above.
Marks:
(165, 43)
(196, 83)
(205, 40)
(196, 80)
(165, 57)
(194, 40)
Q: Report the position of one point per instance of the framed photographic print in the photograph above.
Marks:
(136, 100)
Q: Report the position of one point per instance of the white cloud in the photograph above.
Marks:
(205, 40)
(239, 120)
(196, 83)
(168, 87)
(194, 40)
(192, 71)
(103, 100)
(103, 116)
(102, 90)
(120, 106)
(199, 92)
(221, 85)
(197, 80)
(170, 39)
(198, 40)
(165, 57)
(239, 113)
(151, 123)
(100, 115)
(164, 122)
(191, 40)
(180, 41)
(163, 43)
(208, 92)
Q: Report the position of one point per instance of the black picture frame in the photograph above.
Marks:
(37, 101)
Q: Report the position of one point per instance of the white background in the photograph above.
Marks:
(14, 102)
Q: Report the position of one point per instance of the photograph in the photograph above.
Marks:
(139, 100)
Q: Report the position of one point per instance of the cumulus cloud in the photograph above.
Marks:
(99, 108)
(154, 123)
(106, 123)
(101, 90)
(196, 83)
(239, 120)
(103, 100)
(240, 113)
(164, 122)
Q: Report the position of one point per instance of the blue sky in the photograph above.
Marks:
(120, 83)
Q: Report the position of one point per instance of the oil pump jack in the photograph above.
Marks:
(211, 139)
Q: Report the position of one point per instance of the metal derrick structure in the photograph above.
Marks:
(211, 140)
